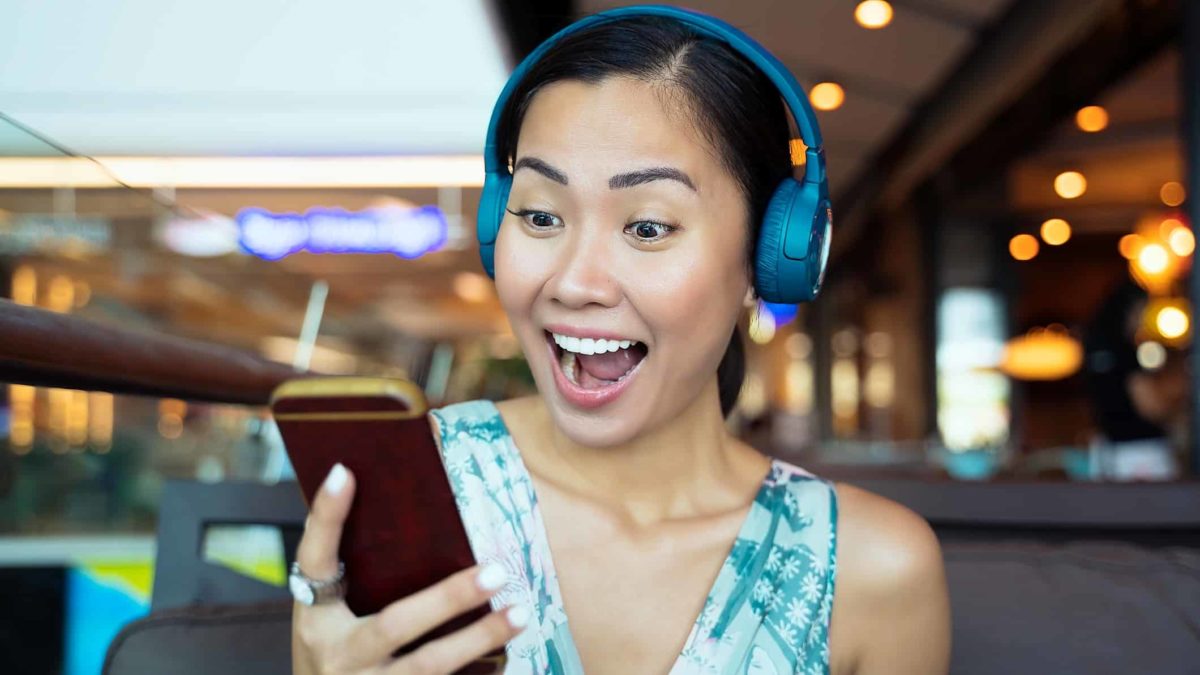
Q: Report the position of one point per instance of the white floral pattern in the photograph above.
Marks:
(768, 610)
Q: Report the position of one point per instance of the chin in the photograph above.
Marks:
(595, 430)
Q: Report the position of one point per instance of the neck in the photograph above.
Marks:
(687, 466)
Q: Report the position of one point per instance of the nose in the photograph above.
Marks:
(584, 272)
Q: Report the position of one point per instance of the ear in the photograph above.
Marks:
(751, 298)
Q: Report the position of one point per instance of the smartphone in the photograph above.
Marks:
(403, 532)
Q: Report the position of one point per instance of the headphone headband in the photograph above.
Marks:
(791, 91)
(793, 237)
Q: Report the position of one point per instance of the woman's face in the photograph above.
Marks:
(631, 232)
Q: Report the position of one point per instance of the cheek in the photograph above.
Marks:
(521, 268)
(695, 303)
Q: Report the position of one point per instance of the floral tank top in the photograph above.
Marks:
(768, 609)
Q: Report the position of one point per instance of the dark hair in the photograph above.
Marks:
(736, 107)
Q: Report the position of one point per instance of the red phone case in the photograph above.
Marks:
(403, 532)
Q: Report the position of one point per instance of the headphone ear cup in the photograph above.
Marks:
(796, 221)
(769, 254)
(492, 202)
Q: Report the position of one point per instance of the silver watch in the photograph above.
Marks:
(309, 591)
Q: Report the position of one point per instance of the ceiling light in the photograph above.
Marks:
(1172, 193)
(1182, 242)
(1172, 322)
(1056, 231)
(1091, 119)
(243, 172)
(1023, 247)
(1153, 258)
(1129, 246)
(1070, 184)
(827, 96)
(873, 14)
(1042, 354)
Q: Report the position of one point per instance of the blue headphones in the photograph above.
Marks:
(793, 245)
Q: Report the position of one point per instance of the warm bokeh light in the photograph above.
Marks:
(873, 14)
(1172, 322)
(1182, 242)
(1129, 245)
(1023, 247)
(61, 296)
(24, 286)
(1153, 258)
(21, 400)
(1091, 119)
(1056, 231)
(1167, 226)
(472, 287)
(1070, 184)
(827, 96)
(100, 421)
(1172, 193)
(1042, 354)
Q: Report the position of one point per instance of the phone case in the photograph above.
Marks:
(403, 532)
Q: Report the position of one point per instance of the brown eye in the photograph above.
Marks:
(542, 220)
(538, 220)
(649, 231)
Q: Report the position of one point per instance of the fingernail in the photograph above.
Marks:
(491, 577)
(336, 479)
(518, 616)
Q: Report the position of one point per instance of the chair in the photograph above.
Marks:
(205, 618)
(1066, 577)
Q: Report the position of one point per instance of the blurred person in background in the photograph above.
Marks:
(1140, 409)
(644, 155)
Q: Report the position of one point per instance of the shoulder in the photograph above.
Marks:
(884, 538)
(890, 585)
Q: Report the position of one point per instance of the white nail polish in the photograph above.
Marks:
(336, 479)
(518, 616)
(491, 577)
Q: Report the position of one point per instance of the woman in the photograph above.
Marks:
(644, 155)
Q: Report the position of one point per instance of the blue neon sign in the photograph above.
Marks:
(405, 232)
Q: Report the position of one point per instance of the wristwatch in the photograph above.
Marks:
(309, 591)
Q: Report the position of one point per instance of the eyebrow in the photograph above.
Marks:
(617, 182)
(540, 167)
(624, 180)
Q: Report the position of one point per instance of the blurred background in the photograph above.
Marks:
(1008, 295)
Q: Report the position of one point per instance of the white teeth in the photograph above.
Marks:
(590, 345)
(587, 346)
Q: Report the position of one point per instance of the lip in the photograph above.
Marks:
(587, 399)
(572, 331)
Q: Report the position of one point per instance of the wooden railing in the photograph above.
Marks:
(42, 348)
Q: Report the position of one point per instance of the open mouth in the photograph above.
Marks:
(595, 364)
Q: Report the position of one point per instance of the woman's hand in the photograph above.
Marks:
(329, 638)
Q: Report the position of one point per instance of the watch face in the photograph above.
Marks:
(300, 590)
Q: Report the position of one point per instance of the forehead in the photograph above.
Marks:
(612, 125)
